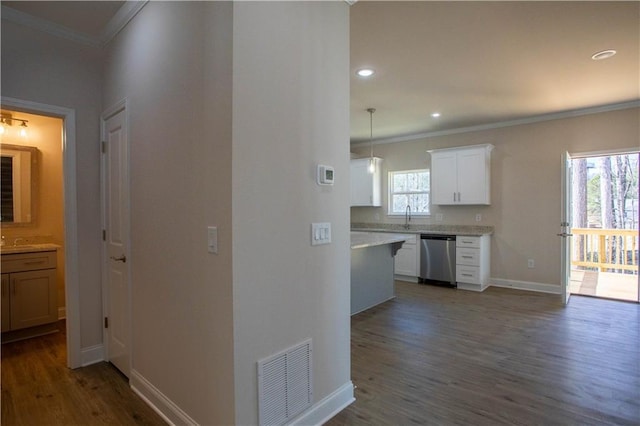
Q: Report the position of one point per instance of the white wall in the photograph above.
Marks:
(290, 112)
(525, 185)
(40, 68)
(173, 64)
(201, 321)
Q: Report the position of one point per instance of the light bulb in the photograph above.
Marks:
(23, 132)
(2, 129)
(372, 166)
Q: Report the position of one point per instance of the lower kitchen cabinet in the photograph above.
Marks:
(29, 293)
(473, 262)
(407, 260)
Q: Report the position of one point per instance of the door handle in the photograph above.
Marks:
(564, 234)
(122, 258)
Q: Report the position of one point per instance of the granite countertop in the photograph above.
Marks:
(29, 248)
(370, 239)
(467, 230)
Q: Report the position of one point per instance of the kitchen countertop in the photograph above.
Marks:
(371, 239)
(28, 248)
(466, 230)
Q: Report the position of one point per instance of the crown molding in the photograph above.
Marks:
(48, 27)
(509, 123)
(120, 20)
(122, 17)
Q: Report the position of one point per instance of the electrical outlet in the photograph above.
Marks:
(478, 217)
(531, 264)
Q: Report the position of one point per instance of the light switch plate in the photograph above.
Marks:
(212, 239)
(320, 233)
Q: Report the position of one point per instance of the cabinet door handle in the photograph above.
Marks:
(466, 275)
(467, 257)
(35, 262)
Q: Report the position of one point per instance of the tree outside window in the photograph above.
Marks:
(409, 188)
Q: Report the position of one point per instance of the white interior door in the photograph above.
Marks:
(565, 228)
(116, 235)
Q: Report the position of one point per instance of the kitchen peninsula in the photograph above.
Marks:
(372, 280)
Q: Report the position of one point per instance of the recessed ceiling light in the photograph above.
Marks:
(604, 54)
(435, 114)
(365, 72)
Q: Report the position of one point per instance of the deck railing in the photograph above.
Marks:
(606, 250)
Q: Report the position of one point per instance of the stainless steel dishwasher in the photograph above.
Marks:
(438, 258)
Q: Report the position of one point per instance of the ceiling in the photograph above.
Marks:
(476, 63)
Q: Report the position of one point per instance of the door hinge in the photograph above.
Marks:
(106, 322)
(103, 147)
(104, 235)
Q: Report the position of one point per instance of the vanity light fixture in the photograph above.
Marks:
(365, 72)
(8, 120)
(23, 129)
(372, 163)
(603, 54)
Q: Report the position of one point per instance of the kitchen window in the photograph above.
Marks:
(409, 188)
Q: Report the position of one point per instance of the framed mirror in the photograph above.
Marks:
(18, 178)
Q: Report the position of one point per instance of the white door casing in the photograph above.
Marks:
(565, 229)
(116, 256)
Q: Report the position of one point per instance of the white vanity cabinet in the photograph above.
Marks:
(366, 186)
(28, 290)
(407, 260)
(461, 176)
(473, 262)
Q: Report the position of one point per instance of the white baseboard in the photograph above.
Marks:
(328, 407)
(162, 405)
(62, 313)
(526, 285)
(409, 279)
(91, 355)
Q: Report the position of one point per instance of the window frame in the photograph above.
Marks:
(390, 192)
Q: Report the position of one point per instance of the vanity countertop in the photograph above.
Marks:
(28, 248)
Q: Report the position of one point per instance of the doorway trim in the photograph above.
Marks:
(69, 196)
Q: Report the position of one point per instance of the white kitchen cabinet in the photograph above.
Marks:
(461, 176)
(407, 260)
(365, 186)
(473, 262)
(29, 294)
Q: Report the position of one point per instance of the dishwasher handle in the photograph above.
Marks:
(437, 237)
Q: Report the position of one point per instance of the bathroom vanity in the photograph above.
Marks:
(29, 290)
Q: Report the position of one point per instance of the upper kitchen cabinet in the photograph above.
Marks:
(461, 176)
(366, 186)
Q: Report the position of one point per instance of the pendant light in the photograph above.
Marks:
(372, 163)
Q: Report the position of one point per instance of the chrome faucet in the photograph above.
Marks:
(407, 216)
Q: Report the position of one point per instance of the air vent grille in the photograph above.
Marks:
(285, 385)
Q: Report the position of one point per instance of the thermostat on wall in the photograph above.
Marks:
(325, 175)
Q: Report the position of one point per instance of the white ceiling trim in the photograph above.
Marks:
(120, 20)
(122, 17)
(43, 25)
(510, 123)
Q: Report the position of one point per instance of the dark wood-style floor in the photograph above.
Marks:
(38, 389)
(440, 356)
(432, 356)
